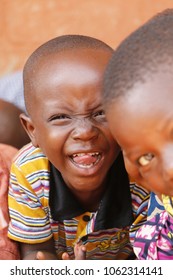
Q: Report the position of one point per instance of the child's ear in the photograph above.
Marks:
(29, 128)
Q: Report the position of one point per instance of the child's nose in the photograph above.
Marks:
(85, 130)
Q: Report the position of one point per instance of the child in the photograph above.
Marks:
(11, 131)
(70, 186)
(8, 248)
(138, 98)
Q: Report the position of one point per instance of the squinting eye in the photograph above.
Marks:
(100, 113)
(145, 159)
(59, 117)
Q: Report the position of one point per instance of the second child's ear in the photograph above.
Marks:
(29, 128)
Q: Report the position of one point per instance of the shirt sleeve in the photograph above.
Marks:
(153, 239)
(29, 214)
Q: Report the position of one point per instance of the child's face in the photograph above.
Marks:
(142, 123)
(67, 118)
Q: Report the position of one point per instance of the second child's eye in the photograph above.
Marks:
(99, 114)
(145, 159)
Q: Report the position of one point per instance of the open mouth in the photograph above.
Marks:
(86, 160)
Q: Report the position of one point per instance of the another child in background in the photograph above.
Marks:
(12, 137)
(11, 130)
(8, 248)
(70, 185)
(138, 98)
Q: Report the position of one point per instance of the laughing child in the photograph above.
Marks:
(69, 186)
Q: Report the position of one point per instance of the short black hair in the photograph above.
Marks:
(140, 53)
(57, 45)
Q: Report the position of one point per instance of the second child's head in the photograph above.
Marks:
(62, 89)
(138, 97)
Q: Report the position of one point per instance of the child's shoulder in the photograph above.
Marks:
(28, 154)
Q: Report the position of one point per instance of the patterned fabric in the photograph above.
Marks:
(168, 204)
(8, 248)
(32, 221)
(154, 240)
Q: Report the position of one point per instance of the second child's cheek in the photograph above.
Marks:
(132, 170)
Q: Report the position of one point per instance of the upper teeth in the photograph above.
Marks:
(83, 154)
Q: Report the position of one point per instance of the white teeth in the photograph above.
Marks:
(83, 154)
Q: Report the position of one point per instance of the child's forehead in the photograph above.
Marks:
(153, 93)
(70, 65)
(70, 62)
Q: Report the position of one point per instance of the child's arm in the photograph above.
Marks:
(40, 251)
(79, 252)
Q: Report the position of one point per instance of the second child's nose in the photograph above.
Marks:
(85, 130)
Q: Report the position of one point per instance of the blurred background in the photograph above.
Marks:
(26, 24)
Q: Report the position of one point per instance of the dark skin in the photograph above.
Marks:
(11, 130)
(147, 151)
(46, 251)
(66, 108)
(38, 251)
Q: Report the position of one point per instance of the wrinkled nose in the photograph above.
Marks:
(85, 130)
(167, 164)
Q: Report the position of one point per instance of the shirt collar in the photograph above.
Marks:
(115, 208)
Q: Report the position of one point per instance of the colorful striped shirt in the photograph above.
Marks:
(38, 212)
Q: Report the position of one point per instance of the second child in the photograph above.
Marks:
(138, 98)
